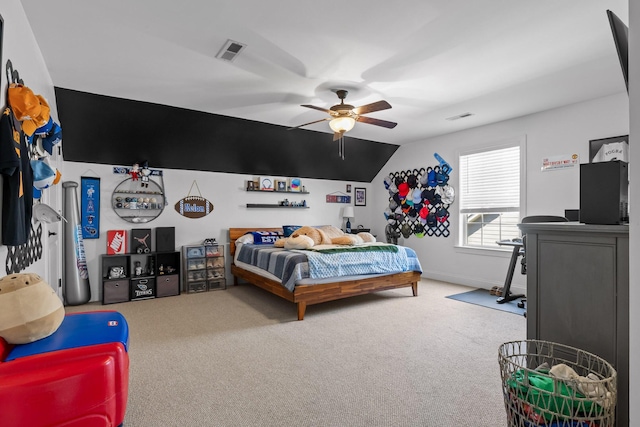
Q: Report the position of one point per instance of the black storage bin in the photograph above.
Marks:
(115, 291)
(143, 288)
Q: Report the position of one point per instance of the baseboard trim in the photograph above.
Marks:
(516, 288)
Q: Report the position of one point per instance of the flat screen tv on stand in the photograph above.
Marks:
(621, 38)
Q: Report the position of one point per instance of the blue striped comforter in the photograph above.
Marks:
(291, 266)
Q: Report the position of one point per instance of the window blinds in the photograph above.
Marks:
(490, 181)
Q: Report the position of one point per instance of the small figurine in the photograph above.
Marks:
(135, 172)
(161, 269)
(144, 173)
(138, 268)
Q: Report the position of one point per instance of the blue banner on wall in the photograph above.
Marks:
(90, 207)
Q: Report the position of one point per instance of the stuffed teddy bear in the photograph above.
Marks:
(307, 237)
(29, 308)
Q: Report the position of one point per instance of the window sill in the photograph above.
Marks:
(474, 250)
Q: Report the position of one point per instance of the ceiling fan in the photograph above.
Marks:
(343, 117)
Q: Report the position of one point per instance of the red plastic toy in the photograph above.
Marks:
(77, 377)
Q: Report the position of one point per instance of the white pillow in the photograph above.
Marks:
(247, 238)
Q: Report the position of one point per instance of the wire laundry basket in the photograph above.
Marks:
(555, 385)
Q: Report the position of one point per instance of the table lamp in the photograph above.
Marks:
(348, 213)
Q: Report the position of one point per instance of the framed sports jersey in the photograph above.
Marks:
(90, 207)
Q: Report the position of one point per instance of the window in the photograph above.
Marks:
(490, 194)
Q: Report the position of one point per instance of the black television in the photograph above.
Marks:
(621, 38)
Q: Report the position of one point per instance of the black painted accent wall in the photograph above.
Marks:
(108, 130)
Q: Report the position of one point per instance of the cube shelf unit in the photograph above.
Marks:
(158, 275)
(203, 268)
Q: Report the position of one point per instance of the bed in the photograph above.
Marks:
(307, 292)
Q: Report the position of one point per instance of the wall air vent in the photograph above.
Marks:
(230, 50)
(459, 116)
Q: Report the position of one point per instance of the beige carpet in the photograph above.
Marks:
(239, 357)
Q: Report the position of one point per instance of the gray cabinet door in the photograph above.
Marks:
(578, 290)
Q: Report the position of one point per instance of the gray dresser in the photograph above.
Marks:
(578, 292)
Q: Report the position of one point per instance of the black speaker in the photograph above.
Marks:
(604, 193)
(165, 239)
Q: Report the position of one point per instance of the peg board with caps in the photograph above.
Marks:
(419, 201)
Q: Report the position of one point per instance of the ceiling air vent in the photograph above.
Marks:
(460, 116)
(230, 50)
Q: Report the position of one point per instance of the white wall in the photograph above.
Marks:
(229, 198)
(634, 195)
(19, 46)
(561, 131)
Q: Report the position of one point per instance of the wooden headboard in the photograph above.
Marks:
(235, 233)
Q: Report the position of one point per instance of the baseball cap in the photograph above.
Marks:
(30, 124)
(412, 181)
(447, 194)
(53, 138)
(431, 220)
(417, 195)
(387, 182)
(431, 178)
(403, 189)
(23, 102)
(43, 174)
(442, 214)
(45, 128)
(44, 213)
(406, 231)
(442, 178)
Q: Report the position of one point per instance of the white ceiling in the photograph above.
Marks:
(497, 59)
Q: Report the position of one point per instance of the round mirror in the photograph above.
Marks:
(138, 201)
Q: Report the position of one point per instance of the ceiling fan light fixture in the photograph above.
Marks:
(342, 124)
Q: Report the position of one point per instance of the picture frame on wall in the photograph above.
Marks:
(360, 196)
(295, 185)
(267, 183)
(607, 149)
(348, 188)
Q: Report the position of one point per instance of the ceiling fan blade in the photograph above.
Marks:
(377, 122)
(310, 123)
(370, 108)
(317, 108)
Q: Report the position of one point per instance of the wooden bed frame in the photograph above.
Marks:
(304, 295)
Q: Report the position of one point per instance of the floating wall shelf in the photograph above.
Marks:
(261, 205)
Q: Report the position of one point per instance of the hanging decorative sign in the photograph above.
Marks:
(194, 206)
(559, 162)
(338, 197)
(90, 207)
(121, 170)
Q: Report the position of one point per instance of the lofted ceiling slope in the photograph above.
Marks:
(431, 60)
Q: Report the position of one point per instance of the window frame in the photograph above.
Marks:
(521, 142)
